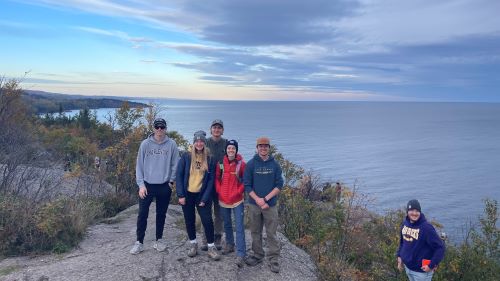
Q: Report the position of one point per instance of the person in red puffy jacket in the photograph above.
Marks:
(230, 189)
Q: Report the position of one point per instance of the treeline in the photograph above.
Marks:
(41, 102)
(59, 174)
(330, 221)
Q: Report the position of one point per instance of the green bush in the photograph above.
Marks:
(54, 226)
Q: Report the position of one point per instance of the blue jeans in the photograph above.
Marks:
(418, 276)
(241, 249)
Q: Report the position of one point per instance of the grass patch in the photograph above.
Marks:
(8, 270)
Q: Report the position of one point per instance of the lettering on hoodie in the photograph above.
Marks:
(410, 233)
(264, 170)
(156, 151)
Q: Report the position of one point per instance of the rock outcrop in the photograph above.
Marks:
(104, 255)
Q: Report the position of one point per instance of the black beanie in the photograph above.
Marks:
(413, 205)
(232, 142)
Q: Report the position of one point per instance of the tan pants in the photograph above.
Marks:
(258, 219)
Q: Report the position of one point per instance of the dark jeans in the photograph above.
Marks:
(205, 213)
(162, 193)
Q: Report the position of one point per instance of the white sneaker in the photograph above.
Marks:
(137, 248)
(160, 245)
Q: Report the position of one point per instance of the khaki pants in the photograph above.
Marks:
(258, 219)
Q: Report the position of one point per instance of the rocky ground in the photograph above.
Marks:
(104, 255)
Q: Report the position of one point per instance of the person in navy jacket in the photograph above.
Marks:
(195, 182)
(420, 247)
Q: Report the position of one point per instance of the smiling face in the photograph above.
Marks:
(160, 131)
(414, 215)
(216, 130)
(199, 145)
(231, 151)
(263, 150)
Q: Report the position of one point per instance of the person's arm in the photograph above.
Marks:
(210, 183)
(278, 183)
(139, 172)
(241, 185)
(174, 160)
(218, 183)
(248, 178)
(437, 245)
(400, 262)
(139, 167)
(259, 201)
(179, 178)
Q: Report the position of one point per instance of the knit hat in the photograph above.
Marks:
(263, 140)
(232, 142)
(160, 122)
(413, 205)
(200, 135)
(217, 122)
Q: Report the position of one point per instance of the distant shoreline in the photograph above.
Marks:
(46, 103)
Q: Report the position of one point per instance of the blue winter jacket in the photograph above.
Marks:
(419, 241)
(182, 179)
(262, 177)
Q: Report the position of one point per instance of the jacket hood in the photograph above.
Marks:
(152, 139)
(420, 221)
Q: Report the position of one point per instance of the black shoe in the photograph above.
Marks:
(252, 260)
(274, 266)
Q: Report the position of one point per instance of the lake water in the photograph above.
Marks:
(446, 155)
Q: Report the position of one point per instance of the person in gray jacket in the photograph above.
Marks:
(155, 174)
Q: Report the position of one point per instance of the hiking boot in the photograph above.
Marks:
(253, 260)
(240, 262)
(160, 245)
(193, 250)
(137, 248)
(218, 241)
(228, 248)
(274, 266)
(213, 254)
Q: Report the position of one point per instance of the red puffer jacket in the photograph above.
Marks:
(230, 189)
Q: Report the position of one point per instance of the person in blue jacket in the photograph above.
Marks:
(195, 184)
(263, 182)
(420, 247)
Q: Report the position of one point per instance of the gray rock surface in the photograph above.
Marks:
(104, 255)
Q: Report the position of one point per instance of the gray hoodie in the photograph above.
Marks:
(156, 162)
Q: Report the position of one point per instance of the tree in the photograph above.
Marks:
(126, 117)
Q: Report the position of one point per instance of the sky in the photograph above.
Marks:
(338, 50)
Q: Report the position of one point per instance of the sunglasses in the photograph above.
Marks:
(160, 127)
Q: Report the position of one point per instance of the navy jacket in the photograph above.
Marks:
(182, 179)
(262, 177)
(419, 241)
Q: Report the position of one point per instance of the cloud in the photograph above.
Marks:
(391, 46)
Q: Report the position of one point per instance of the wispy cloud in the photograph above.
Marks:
(396, 47)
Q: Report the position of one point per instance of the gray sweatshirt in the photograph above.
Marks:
(156, 162)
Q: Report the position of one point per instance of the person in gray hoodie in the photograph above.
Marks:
(155, 174)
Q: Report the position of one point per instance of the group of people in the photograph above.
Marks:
(212, 179)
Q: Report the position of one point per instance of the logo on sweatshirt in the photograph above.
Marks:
(263, 170)
(409, 234)
(156, 152)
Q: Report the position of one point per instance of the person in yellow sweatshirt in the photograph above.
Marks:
(195, 185)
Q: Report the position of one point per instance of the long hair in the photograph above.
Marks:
(204, 159)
